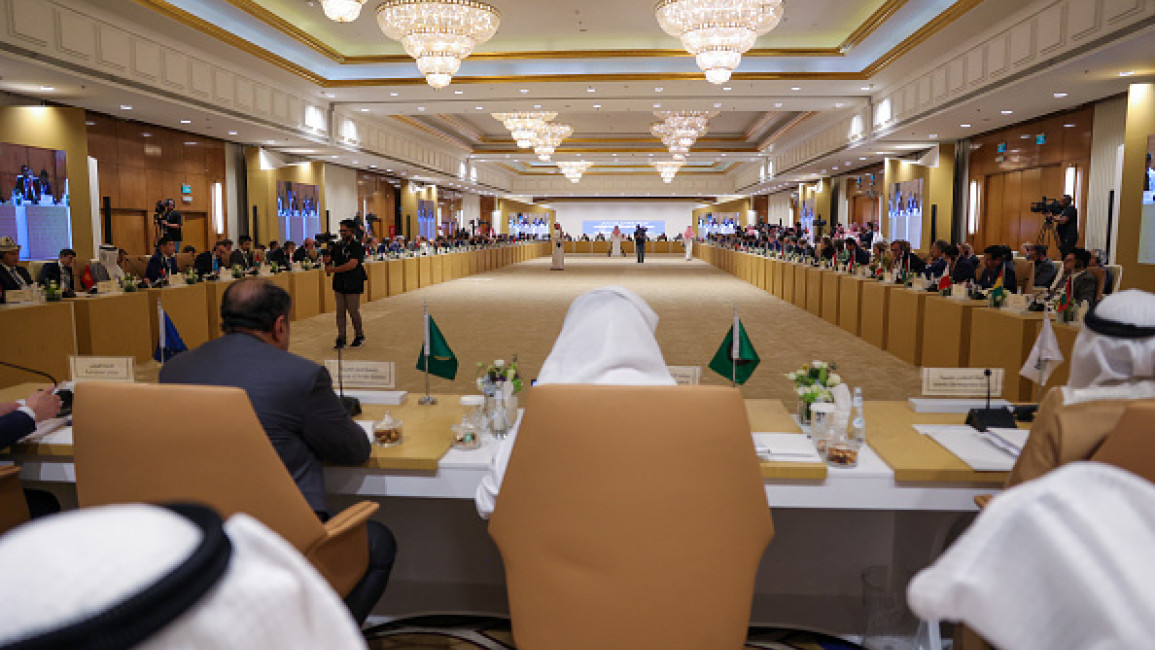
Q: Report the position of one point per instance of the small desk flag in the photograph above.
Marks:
(736, 358)
(436, 358)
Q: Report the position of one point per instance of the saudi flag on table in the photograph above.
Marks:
(436, 358)
(736, 358)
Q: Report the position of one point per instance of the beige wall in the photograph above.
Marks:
(50, 127)
(1140, 125)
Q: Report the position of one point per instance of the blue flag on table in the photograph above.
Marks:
(169, 344)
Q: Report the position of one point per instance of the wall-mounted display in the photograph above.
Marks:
(34, 200)
(627, 227)
(904, 212)
(529, 225)
(298, 212)
(1147, 226)
(427, 219)
(718, 223)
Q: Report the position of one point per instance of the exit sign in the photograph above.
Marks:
(185, 188)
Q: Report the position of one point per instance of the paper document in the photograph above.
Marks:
(974, 449)
(786, 447)
(367, 425)
(1009, 440)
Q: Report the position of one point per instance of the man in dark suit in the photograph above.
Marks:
(162, 265)
(243, 256)
(997, 262)
(938, 264)
(294, 400)
(640, 243)
(860, 256)
(211, 263)
(13, 277)
(61, 272)
(904, 258)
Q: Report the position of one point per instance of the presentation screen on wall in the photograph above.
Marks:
(594, 228)
(34, 201)
(1147, 232)
(904, 213)
(298, 216)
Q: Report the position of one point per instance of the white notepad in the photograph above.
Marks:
(786, 448)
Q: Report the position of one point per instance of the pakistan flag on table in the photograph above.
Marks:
(436, 358)
(736, 358)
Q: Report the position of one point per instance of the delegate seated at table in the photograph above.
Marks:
(162, 265)
(607, 338)
(295, 403)
(1112, 365)
(61, 272)
(998, 268)
(107, 265)
(210, 263)
(13, 277)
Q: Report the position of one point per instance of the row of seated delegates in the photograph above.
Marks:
(295, 403)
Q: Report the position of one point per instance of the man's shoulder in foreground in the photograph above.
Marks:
(231, 351)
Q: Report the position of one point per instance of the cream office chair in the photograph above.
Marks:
(1116, 276)
(1024, 275)
(163, 443)
(1131, 445)
(13, 506)
(632, 517)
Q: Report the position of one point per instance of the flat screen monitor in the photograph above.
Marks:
(34, 200)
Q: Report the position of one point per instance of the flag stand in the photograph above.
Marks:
(428, 400)
(735, 350)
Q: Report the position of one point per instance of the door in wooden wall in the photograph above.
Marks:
(1007, 217)
(865, 209)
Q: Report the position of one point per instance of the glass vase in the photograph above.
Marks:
(502, 414)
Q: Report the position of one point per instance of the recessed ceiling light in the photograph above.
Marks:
(364, 110)
(717, 104)
(334, 157)
(459, 92)
(932, 136)
(838, 104)
(723, 155)
(1060, 95)
(597, 105)
(795, 88)
(1006, 112)
(189, 144)
(232, 132)
(186, 121)
(965, 126)
(47, 89)
(480, 108)
(1068, 126)
(658, 89)
(90, 123)
(777, 104)
(392, 94)
(524, 90)
(125, 107)
(420, 108)
(146, 134)
(330, 95)
(589, 89)
(1126, 73)
(862, 157)
(657, 105)
(372, 166)
(865, 88)
(272, 142)
(388, 170)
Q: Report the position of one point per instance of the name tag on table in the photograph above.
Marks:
(686, 375)
(108, 286)
(363, 374)
(961, 382)
(119, 369)
(176, 281)
(17, 296)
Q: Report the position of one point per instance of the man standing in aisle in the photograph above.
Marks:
(1067, 225)
(173, 222)
(345, 264)
(640, 243)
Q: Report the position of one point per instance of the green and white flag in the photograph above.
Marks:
(736, 358)
(436, 358)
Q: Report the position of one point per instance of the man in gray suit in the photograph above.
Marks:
(294, 400)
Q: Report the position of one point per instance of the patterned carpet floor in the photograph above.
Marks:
(519, 310)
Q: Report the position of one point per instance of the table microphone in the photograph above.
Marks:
(64, 393)
(352, 404)
(989, 418)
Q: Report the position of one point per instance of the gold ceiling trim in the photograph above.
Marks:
(797, 120)
(875, 21)
(421, 126)
(225, 36)
(937, 24)
(509, 142)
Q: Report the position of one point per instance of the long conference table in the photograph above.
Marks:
(919, 327)
(44, 335)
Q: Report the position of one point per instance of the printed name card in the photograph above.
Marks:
(121, 369)
(363, 374)
(16, 296)
(686, 375)
(107, 286)
(961, 382)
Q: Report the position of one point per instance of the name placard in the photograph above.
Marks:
(121, 369)
(364, 374)
(17, 296)
(107, 286)
(176, 280)
(686, 375)
(961, 382)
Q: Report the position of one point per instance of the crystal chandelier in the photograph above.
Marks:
(573, 169)
(342, 11)
(679, 130)
(523, 126)
(667, 168)
(718, 32)
(548, 138)
(438, 33)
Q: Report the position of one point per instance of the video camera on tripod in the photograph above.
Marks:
(1048, 207)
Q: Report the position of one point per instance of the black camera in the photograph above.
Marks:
(325, 238)
(1047, 206)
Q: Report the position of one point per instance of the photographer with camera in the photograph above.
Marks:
(169, 221)
(344, 260)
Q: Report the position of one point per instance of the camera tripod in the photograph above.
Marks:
(1047, 235)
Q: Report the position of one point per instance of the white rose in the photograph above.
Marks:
(500, 363)
(834, 379)
(818, 364)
